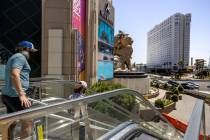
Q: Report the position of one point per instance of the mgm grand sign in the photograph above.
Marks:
(106, 11)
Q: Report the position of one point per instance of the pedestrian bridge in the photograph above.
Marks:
(101, 116)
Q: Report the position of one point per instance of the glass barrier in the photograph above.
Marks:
(55, 117)
(197, 124)
(47, 91)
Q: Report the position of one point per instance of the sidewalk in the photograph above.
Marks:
(184, 109)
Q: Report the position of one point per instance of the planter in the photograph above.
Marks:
(168, 108)
(149, 96)
(148, 114)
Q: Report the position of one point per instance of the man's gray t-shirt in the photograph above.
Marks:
(17, 61)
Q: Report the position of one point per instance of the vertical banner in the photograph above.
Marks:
(105, 41)
(78, 23)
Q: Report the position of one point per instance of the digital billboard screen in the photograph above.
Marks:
(106, 32)
(105, 51)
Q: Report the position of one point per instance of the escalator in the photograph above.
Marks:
(129, 131)
(95, 117)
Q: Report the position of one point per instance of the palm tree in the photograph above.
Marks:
(181, 64)
(199, 67)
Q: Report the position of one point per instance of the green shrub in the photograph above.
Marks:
(100, 87)
(172, 88)
(180, 88)
(176, 91)
(151, 83)
(159, 103)
(174, 98)
(127, 101)
(116, 86)
(167, 102)
(100, 106)
(165, 86)
(157, 85)
(105, 86)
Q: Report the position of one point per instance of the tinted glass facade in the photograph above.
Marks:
(21, 20)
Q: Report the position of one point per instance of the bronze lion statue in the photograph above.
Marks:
(122, 51)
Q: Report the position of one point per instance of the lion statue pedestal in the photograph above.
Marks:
(122, 65)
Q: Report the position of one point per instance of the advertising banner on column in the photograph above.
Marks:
(105, 41)
(78, 23)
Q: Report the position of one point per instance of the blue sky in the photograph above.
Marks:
(137, 17)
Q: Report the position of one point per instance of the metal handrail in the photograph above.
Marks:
(64, 118)
(66, 104)
(194, 127)
(61, 105)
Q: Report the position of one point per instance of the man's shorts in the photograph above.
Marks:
(13, 104)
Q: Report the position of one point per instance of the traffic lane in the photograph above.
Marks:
(203, 85)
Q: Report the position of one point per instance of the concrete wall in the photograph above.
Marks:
(56, 15)
(139, 84)
(55, 49)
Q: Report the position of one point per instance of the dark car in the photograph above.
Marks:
(173, 83)
(187, 86)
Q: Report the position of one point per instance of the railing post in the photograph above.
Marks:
(5, 132)
(40, 92)
(6, 135)
(88, 133)
(75, 131)
(204, 123)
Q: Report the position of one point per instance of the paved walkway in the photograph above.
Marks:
(184, 109)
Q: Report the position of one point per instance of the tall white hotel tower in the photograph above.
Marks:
(169, 42)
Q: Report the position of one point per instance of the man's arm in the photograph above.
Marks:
(15, 76)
